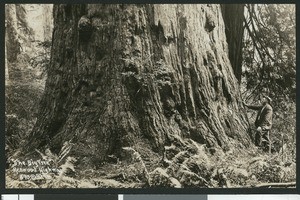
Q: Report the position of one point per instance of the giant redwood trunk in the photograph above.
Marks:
(128, 75)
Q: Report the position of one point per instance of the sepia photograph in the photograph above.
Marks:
(150, 96)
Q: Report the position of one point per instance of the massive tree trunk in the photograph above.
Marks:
(139, 75)
(233, 15)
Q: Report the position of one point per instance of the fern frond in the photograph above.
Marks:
(65, 150)
(137, 157)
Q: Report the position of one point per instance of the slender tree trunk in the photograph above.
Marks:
(139, 75)
(47, 28)
(12, 33)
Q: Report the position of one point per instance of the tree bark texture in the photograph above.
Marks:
(233, 15)
(139, 75)
(11, 33)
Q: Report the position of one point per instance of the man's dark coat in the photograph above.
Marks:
(264, 116)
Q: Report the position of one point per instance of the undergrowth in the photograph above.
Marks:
(22, 96)
(193, 166)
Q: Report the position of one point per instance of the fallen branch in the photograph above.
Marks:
(115, 176)
(269, 185)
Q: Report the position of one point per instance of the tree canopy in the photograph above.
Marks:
(269, 52)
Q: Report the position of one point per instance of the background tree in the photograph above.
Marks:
(233, 15)
(12, 30)
(26, 26)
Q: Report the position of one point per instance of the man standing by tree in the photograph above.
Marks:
(263, 122)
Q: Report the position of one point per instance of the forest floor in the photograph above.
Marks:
(140, 168)
(196, 167)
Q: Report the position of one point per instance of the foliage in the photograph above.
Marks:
(60, 178)
(283, 134)
(269, 66)
(269, 59)
(41, 59)
(25, 32)
(22, 95)
(20, 112)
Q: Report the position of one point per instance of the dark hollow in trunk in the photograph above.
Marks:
(233, 15)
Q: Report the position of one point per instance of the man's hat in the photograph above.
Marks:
(267, 97)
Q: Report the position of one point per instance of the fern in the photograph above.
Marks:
(137, 157)
(65, 150)
(61, 179)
